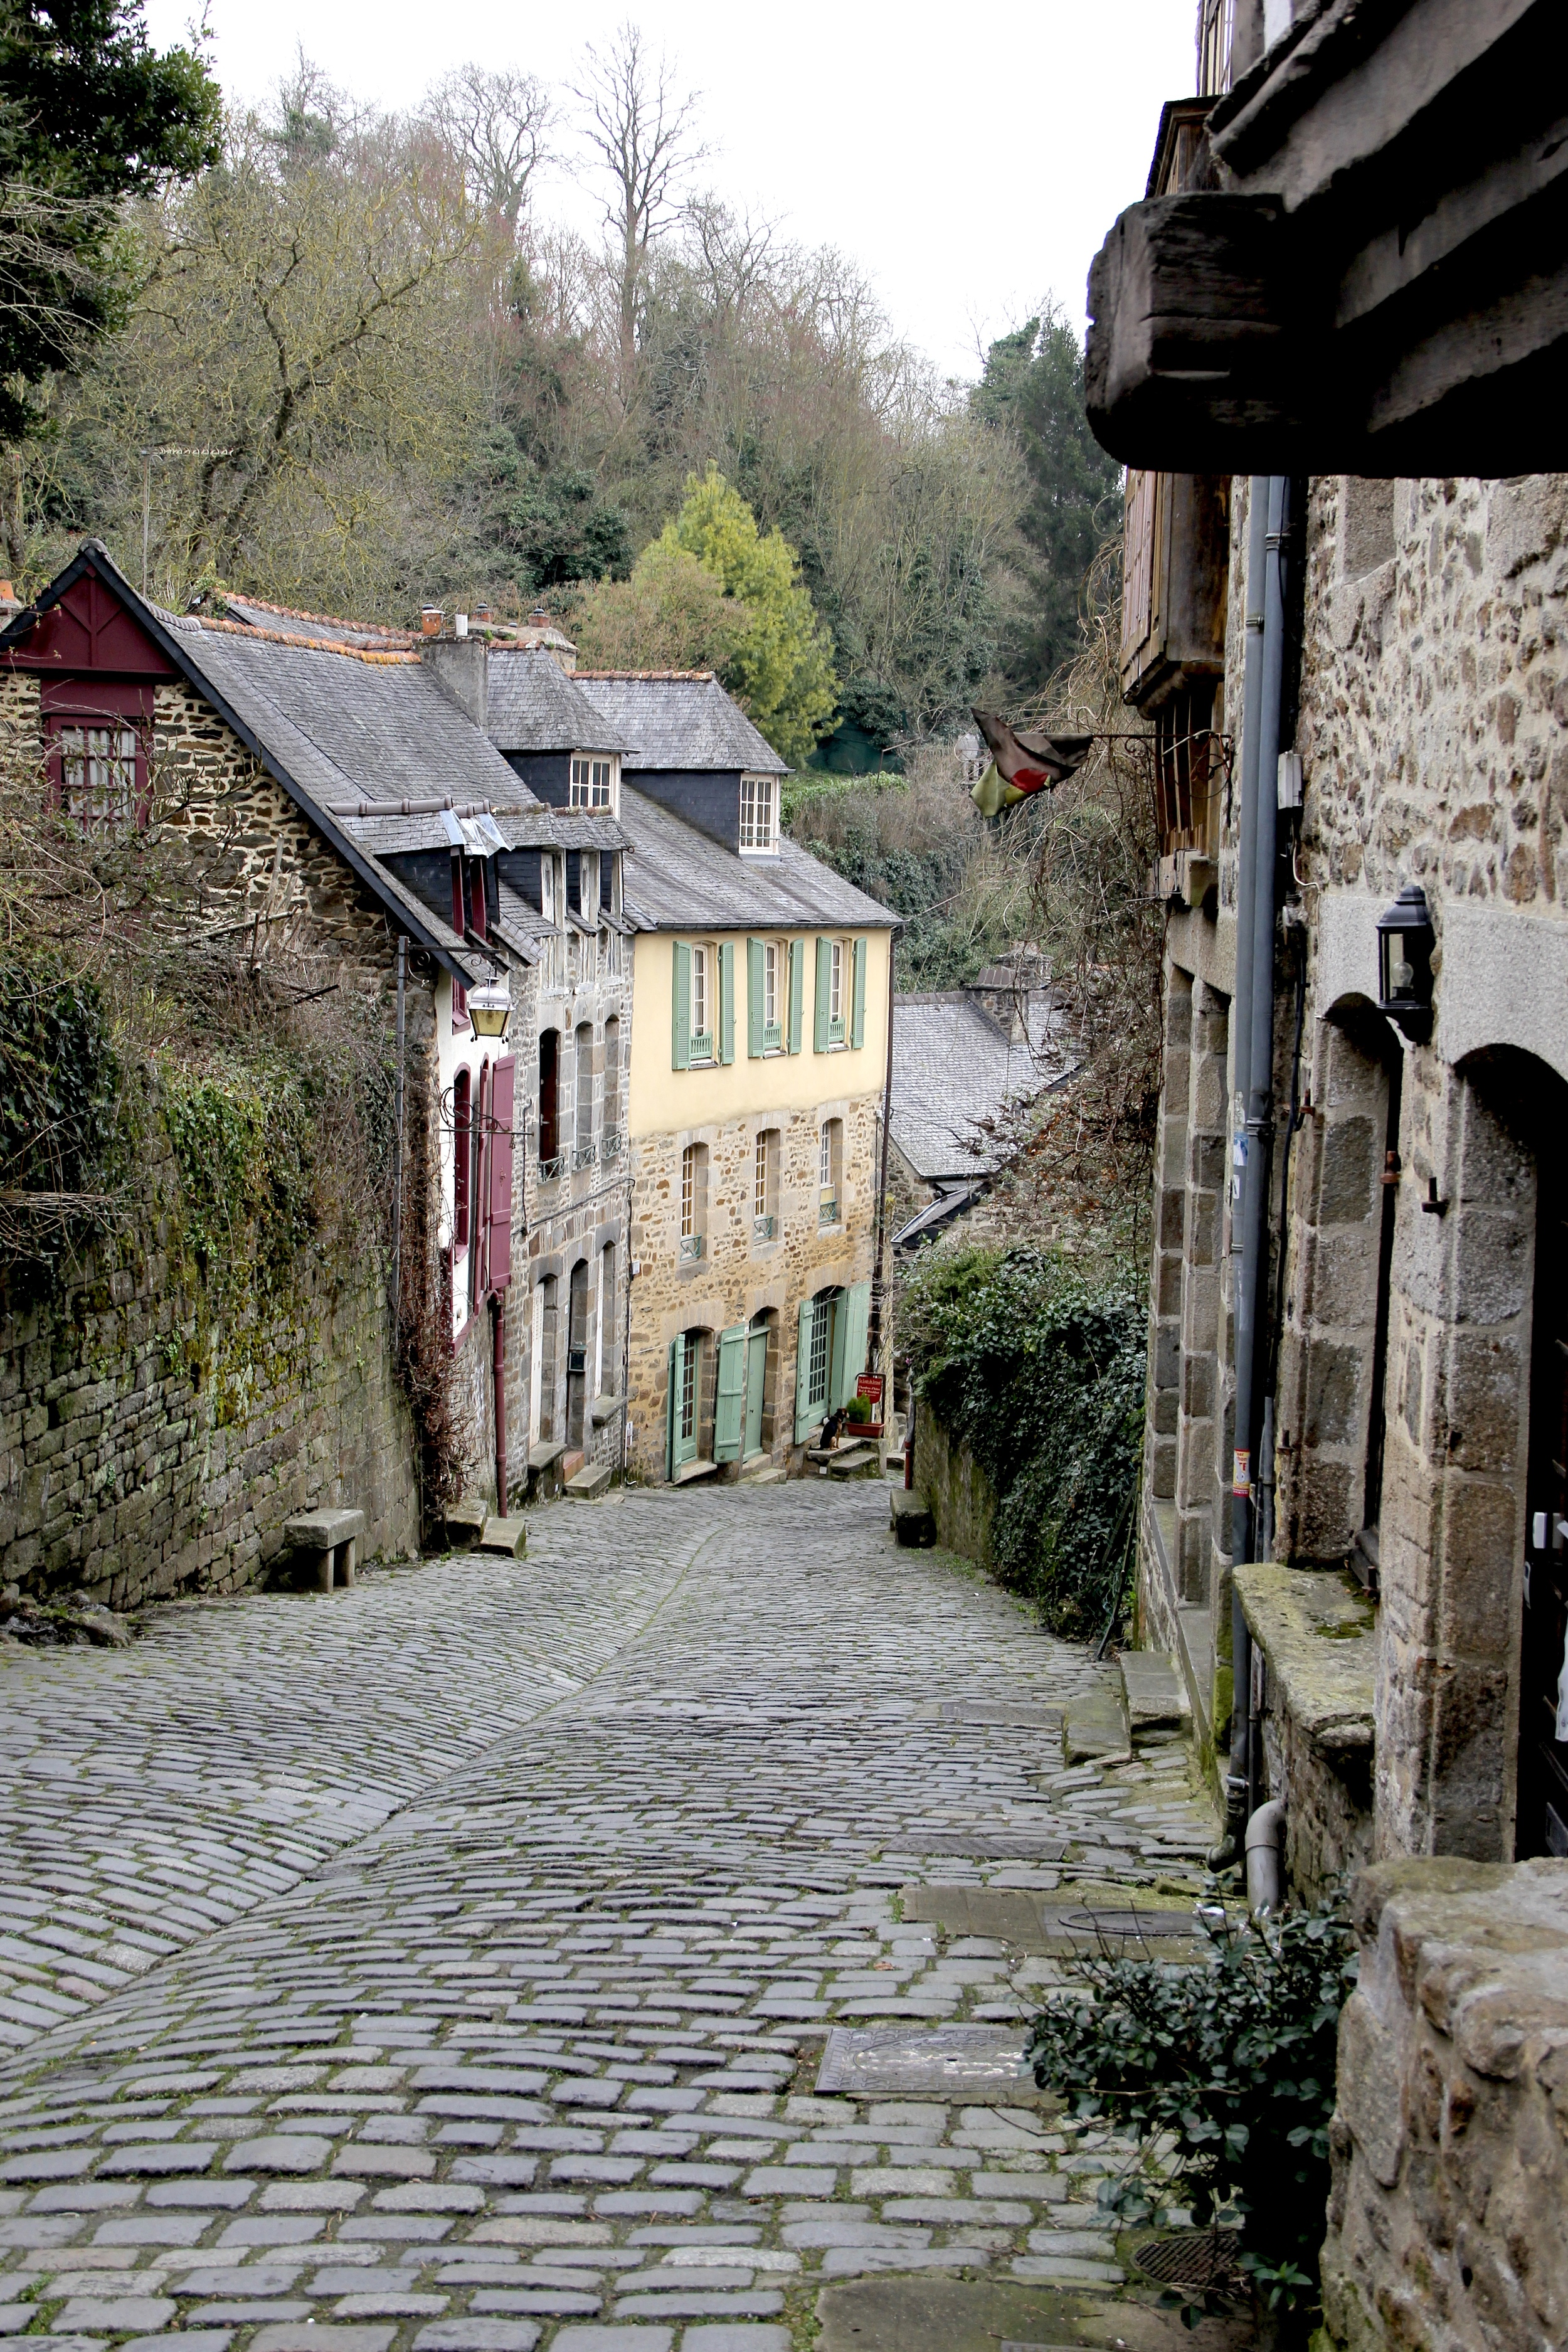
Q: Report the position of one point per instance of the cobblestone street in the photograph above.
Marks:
(446, 1962)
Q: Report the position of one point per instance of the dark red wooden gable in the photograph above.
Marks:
(502, 1096)
(90, 629)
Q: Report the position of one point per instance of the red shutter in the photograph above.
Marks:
(501, 1172)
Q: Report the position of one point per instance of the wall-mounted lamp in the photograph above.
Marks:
(489, 1007)
(1405, 943)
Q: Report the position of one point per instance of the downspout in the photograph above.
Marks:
(498, 1367)
(1253, 1061)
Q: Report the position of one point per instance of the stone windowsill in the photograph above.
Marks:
(1315, 1629)
(604, 1408)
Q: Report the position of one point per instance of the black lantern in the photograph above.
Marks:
(1405, 943)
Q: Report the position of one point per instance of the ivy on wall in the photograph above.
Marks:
(1037, 1363)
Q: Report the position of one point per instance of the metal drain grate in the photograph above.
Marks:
(1191, 2258)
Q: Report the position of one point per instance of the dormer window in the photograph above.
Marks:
(593, 781)
(759, 829)
(97, 732)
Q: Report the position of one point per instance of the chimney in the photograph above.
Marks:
(460, 667)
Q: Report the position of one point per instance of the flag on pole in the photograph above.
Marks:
(1022, 764)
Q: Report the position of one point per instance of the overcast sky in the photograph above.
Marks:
(970, 157)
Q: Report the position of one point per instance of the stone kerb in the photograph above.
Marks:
(1450, 2140)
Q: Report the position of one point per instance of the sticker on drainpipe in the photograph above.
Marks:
(1241, 1470)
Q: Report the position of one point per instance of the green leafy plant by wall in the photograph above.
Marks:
(1225, 2074)
(241, 1133)
(1036, 1362)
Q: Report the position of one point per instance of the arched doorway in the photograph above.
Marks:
(1543, 1812)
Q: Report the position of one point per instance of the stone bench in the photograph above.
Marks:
(329, 1537)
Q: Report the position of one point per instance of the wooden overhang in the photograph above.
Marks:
(1375, 281)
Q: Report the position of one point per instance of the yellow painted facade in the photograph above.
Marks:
(816, 1239)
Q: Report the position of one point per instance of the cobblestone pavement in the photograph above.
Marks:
(446, 1962)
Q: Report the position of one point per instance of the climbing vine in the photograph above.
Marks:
(1036, 1361)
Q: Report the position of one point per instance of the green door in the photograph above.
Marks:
(756, 1377)
(729, 1399)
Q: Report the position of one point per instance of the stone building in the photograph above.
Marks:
(964, 1060)
(1325, 342)
(757, 1079)
(339, 796)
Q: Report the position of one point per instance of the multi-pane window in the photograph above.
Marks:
(690, 1356)
(689, 1191)
(547, 888)
(98, 775)
(757, 813)
(462, 1124)
(836, 987)
(701, 1004)
(771, 985)
(830, 1170)
(765, 1185)
(821, 1353)
(592, 785)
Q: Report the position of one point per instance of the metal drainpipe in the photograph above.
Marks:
(1260, 762)
(1241, 1023)
(498, 1367)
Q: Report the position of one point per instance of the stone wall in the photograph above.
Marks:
(1313, 1652)
(739, 1276)
(159, 1421)
(1450, 2142)
(157, 1429)
(962, 1498)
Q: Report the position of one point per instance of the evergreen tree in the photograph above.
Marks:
(88, 115)
(1033, 387)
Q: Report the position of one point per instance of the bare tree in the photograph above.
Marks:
(639, 125)
(496, 127)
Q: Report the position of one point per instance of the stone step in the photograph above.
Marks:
(855, 1462)
(508, 1536)
(1094, 1727)
(763, 1473)
(1152, 1692)
(911, 1515)
(465, 1522)
(589, 1483)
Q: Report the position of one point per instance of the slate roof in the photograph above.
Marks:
(529, 828)
(534, 707)
(681, 880)
(327, 628)
(679, 720)
(952, 1065)
(352, 730)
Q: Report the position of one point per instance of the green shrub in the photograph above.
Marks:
(58, 1076)
(243, 1138)
(1037, 1363)
(1233, 2062)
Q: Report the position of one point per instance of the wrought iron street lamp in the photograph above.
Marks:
(1405, 943)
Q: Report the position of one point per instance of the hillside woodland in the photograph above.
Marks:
(344, 359)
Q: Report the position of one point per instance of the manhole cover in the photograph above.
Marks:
(1128, 1923)
(1190, 2258)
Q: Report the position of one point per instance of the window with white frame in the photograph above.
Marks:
(836, 988)
(765, 1186)
(693, 1200)
(771, 1017)
(702, 977)
(758, 830)
(547, 888)
(830, 1170)
(593, 783)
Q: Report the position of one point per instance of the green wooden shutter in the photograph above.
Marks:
(805, 1419)
(824, 986)
(797, 993)
(680, 965)
(857, 1003)
(726, 1000)
(730, 1399)
(754, 1005)
(672, 1416)
(854, 1322)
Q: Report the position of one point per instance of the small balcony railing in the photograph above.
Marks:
(691, 1247)
(585, 1155)
(763, 1228)
(610, 1143)
(827, 1211)
(550, 1170)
